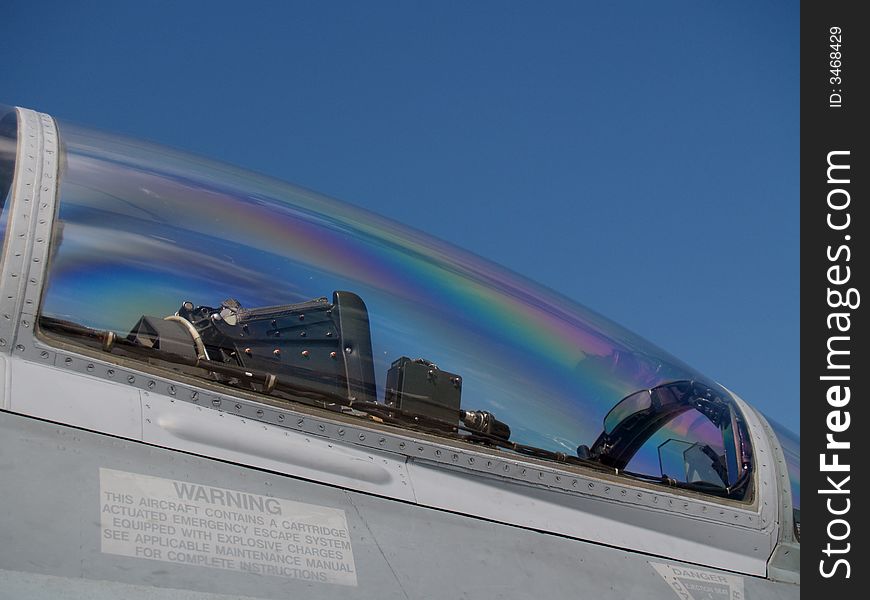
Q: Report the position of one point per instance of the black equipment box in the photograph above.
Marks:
(324, 347)
(420, 387)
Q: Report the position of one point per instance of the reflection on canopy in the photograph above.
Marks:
(8, 148)
(143, 229)
(688, 426)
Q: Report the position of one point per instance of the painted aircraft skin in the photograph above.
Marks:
(127, 473)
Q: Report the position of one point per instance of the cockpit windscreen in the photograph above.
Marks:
(8, 149)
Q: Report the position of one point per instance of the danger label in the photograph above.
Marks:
(193, 524)
(699, 584)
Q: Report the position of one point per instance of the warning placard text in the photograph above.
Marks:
(192, 524)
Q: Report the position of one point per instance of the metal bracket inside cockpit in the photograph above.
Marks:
(325, 345)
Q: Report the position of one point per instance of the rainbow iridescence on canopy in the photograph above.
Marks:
(145, 228)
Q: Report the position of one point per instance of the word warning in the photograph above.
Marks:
(191, 524)
(699, 584)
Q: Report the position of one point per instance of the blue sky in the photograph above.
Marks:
(641, 158)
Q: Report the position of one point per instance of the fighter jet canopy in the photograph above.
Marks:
(249, 282)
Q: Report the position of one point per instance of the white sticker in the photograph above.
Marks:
(690, 583)
(192, 524)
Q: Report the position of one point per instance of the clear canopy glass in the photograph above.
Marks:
(8, 149)
(144, 231)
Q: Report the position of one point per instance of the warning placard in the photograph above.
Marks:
(690, 583)
(193, 524)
